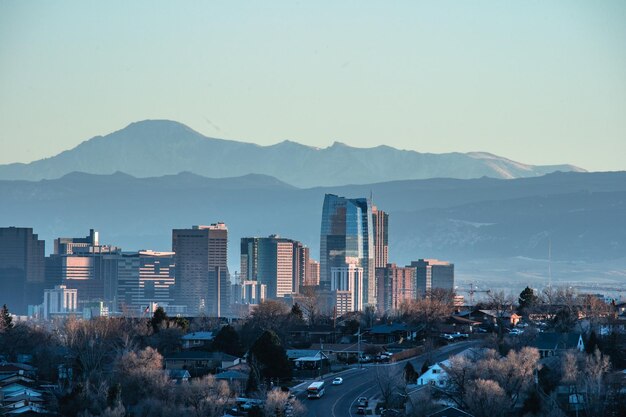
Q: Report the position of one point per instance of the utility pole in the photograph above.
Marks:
(359, 347)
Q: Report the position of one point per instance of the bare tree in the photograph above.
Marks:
(206, 397)
(485, 398)
(278, 403)
(390, 383)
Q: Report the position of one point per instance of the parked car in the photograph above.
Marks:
(338, 381)
(362, 402)
(515, 332)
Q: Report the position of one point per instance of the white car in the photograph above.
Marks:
(338, 381)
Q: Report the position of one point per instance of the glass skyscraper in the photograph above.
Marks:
(347, 239)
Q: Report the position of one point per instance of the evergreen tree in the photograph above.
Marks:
(227, 341)
(296, 312)
(592, 343)
(6, 321)
(410, 375)
(271, 356)
(425, 366)
(527, 298)
(157, 319)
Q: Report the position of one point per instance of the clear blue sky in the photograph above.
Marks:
(536, 81)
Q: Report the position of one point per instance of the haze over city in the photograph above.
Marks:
(285, 209)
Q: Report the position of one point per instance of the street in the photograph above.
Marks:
(338, 401)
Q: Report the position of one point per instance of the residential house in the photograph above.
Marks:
(436, 375)
(197, 339)
(391, 333)
(200, 362)
(551, 344)
(508, 318)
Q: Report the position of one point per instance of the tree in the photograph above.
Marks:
(6, 321)
(140, 374)
(527, 299)
(158, 318)
(206, 397)
(271, 356)
(485, 398)
(409, 373)
(227, 341)
(296, 313)
(278, 404)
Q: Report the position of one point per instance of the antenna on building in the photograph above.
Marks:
(550, 262)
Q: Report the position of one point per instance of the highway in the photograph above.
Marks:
(339, 400)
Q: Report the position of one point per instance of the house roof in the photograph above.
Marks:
(551, 341)
(461, 320)
(299, 353)
(390, 328)
(231, 375)
(496, 313)
(199, 336)
(200, 355)
(21, 397)
(450, 412)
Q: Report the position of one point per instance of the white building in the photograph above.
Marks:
(436, 375)
(60, 300)
(347, 283)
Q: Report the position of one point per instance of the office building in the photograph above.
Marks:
(202, 277)
(22, 267)
(313, 274)
(347, 282)
(59, 301)
(380, 222)
(396, 286)
(433, 274)
(347, 239)
(278, 263)
(145, 278)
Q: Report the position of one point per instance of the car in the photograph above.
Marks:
(361, 410)
(362, 402)
(338, 381)
(447, 336)
(515, 332)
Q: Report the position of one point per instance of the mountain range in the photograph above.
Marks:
(154, 148)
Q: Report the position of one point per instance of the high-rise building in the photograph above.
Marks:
(313, 274)
(347, 282)
(396, 285)
(347, 239)
(22, 266)
(278, 263)
(433, 274)
(380, 222)
(82, 263)
(202, 278)
(59, 301)
(145, 277)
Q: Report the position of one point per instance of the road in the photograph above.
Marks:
(338, 401)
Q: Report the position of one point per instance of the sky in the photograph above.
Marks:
(535, 81)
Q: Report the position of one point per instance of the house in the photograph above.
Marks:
(196, 339)
(435, 375)
(391, 333)
(492, 316)
(450, 412)
(200, 362)
(311, 362)
(458, 324)
(178, 375)
(551, 344)
(306, 334)
(232, 376)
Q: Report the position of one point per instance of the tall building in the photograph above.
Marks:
(278, 263)
(313, 274)
(59, 301)
(432, 274)
(83, 264)
(396, 285)
(346, 283)
(380, 222)
(347, 239)
(202, 278)
(22, 266)
(145, 277)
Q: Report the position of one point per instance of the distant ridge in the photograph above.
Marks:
(153, 148)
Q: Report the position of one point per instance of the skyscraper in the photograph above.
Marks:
(347, 239)
(145, 277)
(279, 263)
(202, 278)
(346, 283)
(380, 222)
(396, 285)
(22, 266)
(432, 274)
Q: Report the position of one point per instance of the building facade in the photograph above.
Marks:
(145, 277)
(278, 263)
(433, 274)
(347, 279)
(396, 285)
(347, 239)
(22, 268)
(202, 277)
(380, 222)
(59, 301)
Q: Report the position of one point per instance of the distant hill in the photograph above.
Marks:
(159, 147)
(582, 214)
